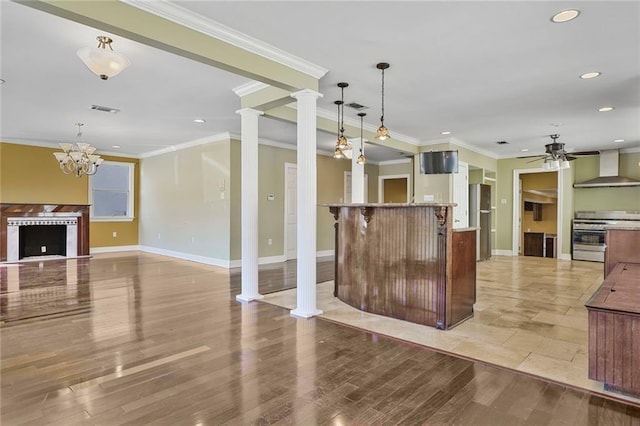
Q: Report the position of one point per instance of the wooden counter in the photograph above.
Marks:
(614, 330)
(622, 245)
(405, 261)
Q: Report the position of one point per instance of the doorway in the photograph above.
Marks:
(538, 241)
(394, 189)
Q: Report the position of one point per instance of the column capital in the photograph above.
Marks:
(306, 93)
(243, 111)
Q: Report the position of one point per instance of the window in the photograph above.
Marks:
(111, 192)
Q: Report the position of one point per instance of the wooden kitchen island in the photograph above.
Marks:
(614, 330)
(405, 261)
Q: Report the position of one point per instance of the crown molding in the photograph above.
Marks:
(399, 161)
(249, 88)
(208, 139)
(56, 145)
(180, 15)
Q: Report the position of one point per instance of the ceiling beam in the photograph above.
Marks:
(147, 28)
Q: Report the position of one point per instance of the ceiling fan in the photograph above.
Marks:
(556, 156)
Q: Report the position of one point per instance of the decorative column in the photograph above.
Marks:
(307, 200)
(249, 200)
(357, 174)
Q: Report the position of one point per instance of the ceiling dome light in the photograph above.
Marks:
(565, 16)
(588, 75)
(199, 121)
(618, 140)
(606, 109)
(102, 62)
(446, 132)
(115, 146)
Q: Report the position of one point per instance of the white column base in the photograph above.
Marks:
(300, 314)
(247, 299)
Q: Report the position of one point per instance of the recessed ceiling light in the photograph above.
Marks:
(618, 140)
(606, 109)
(525, 150)
(199, 120)
(115, 146)
(446, 132)
(588, 75)
(565, 16)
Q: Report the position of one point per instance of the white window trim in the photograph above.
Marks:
(130, 203)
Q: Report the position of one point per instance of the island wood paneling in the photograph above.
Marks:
(463, 276)
(38, 210)
(396, 261)
(614, 330)
(622, 245)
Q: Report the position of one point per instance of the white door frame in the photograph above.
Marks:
(515, 238)
(381, 185)
(285, 253)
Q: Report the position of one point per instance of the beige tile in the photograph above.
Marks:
(498, 355)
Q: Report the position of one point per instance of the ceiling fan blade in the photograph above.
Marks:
(585, 153)
(538, 158)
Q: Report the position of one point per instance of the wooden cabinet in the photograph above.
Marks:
(533, 244)
(622, 245)
(614, 321)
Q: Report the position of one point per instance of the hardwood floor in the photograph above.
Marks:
(163, 341)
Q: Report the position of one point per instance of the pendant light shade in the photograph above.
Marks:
(382, 133)
(361, 158)
(101, 61)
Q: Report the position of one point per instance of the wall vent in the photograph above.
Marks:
(357, 106)
(105, 109)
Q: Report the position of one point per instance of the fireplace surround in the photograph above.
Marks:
(15, 218)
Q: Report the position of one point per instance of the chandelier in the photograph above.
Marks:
(382, 133)
(102, 62)
(79, 158)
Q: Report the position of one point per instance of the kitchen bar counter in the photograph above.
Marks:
(614, 321)
(405, 261)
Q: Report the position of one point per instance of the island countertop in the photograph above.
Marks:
(392, 205)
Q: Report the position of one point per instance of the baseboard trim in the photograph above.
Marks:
(112, 249)
(564, 256)
(324, 253)
(187, 256)
(502, 253)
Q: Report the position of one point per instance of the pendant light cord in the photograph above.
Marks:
(382, 118)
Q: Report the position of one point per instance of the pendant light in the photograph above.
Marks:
(342, 140)
(361, 158)
(337, 152)
(382, 133)
(103, 62)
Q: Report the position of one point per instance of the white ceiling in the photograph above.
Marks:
(486, 71)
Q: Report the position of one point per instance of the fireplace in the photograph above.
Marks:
(37, 231)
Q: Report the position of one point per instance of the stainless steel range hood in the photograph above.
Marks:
(608, 173)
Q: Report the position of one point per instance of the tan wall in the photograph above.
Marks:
(183, 208)
(607, 198)
(30, 174)
(235, 188)
(395, 190)
(548, 223)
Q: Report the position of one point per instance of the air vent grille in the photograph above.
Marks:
(357, 106)
(105, 109)
(502, 142)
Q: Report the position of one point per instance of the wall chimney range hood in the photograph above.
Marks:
(608, 173)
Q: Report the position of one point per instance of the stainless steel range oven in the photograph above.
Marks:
(589, 229)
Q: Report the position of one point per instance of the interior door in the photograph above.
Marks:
(291, 214)
(461, 196)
